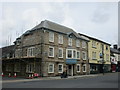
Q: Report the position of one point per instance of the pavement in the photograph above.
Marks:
(108, 80)
(16, 79)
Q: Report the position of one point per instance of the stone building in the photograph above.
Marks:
(49, 49)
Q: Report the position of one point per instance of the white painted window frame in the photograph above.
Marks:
(77, 43)
(52, 67)
(77, 67)
(62, 52)
(60, 39)
(94, 44)
(58, 68)
(31, 50)
(51, 36)
(70, 41)
(85, 67)
(84, 46)
(94, 54)
(49, 51)
(77, 54)
(28, 66)
(85, 55)
(72, 53)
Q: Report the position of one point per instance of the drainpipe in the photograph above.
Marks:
(103, 58)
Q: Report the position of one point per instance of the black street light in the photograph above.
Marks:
(103, 67)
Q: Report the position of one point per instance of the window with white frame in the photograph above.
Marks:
(78, 54)
(60, 68)
(51, 68)
(77, 43)
(71, 54)
(84, 68)
(17, 67)
(93, 55)
(70, 41)
(93, 44)
(78, 67)
(30, 51)
(60, 39)
(51, 51)
(60, 52)
(84, 45)
(51, 37)
(84, 56)
(30, 68)
(74, 53)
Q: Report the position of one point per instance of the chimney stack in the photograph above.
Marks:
(115, 46)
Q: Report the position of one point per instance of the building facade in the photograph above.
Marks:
(115, 58)
(48, 49)
(99, 55)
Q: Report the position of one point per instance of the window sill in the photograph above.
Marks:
(60, 57)
(94, 47)
(94, 59)
(60, 72)
(51, 41)
(51, 56)
(60, 43)
(50, 72)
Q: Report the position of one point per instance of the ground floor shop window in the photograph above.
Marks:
(78, 67)
(84, 68)
(17, 67)
(30, 68)
(51, 68)
(60, 68)
(93, 68)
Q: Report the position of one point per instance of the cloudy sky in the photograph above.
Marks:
(96, 19)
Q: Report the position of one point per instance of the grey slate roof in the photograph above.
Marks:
(114, 50)
(93, 38)
(58, 28)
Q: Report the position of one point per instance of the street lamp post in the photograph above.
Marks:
(103, 66)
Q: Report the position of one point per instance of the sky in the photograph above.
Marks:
(96, 19)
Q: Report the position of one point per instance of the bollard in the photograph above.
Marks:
(15, 75)
(9, 75)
